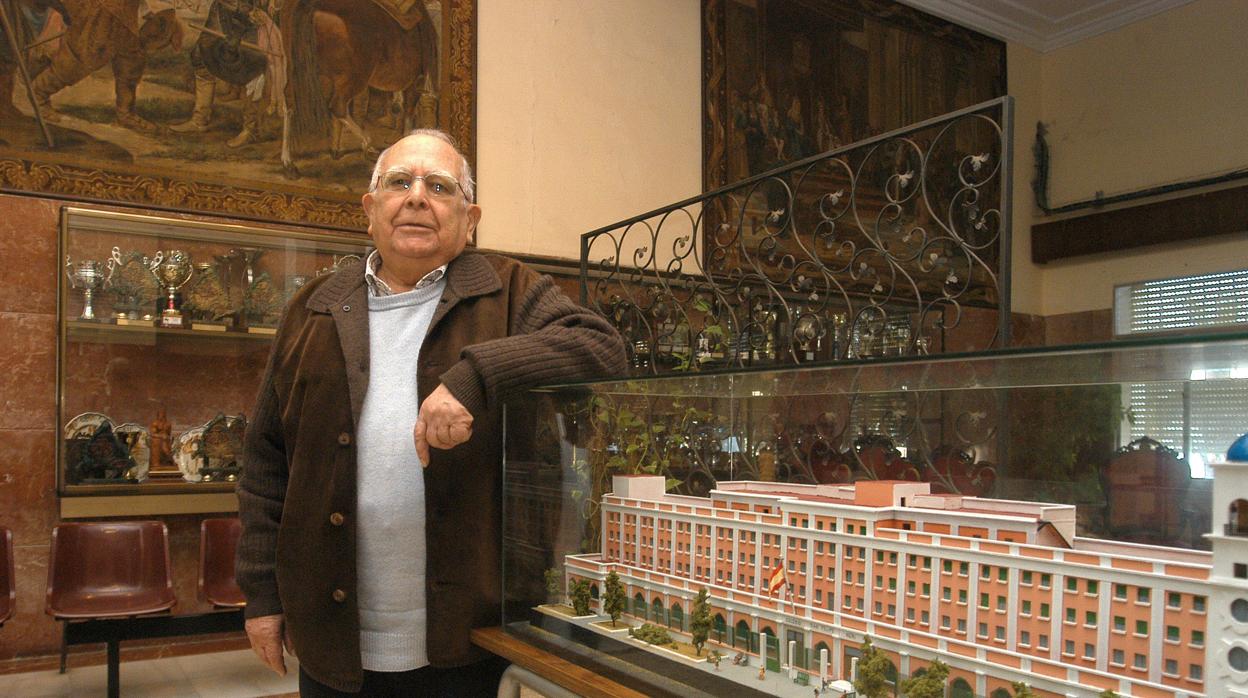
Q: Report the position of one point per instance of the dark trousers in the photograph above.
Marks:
(479, 680)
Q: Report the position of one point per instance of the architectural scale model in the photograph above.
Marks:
(1002, 591)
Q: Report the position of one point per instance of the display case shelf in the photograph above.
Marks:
(165, 329)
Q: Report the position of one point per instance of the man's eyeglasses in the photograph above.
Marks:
(437, 185)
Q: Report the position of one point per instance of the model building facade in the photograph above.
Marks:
(1000, 590)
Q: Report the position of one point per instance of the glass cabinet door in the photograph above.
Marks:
(165, 329)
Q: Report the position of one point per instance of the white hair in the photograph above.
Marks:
(465, 170)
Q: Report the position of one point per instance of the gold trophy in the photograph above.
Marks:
(173, 271)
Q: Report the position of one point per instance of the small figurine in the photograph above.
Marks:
(762, 672)
(161, 433)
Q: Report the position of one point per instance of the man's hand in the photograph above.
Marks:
(267, 634)
(443, 423)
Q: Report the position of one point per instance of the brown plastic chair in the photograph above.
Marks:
(108, 569)
(8, 582)
(218, 539)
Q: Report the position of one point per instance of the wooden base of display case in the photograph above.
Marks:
(553, 668)
(148, 504)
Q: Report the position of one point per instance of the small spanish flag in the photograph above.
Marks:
(777, 580)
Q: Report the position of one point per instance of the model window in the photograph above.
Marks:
(1001, 603)
(1000, 633)
(927, 590)
(1120, 624)
(925, 617)
(1141, 662)
(862, 553)
(879, 556)
(1024, 638)
(983, 601)
(1093, 587)
(1089, 618)
(911, 561)
(1174, 600)
(1027, 578)
(1072, 584)
(910, 614)
(985, 571)
(892, 558)
(1141, 627)
(962, 596)
(927, 563)
(1046, 581)
(1119, 658)
(849, 577)
(1044, 610)
(1141, 595)
(803, 544)
(1196, 672)
(818, 595)
(1198, 604)
(1120, 592)
(1026, 608)
(1070, 615)
(859, 603)
(1198, 638)
(946, 593)
(910, 588)
(962, 625)
(1089, 651)
(948, 565)
(1003, 574)
(983, 630)
(1172, 633)
(944, 622)
(963, 568)
(862, 579)
(1043, 642)
(802, 567)
(1070, 648)
(879, 608)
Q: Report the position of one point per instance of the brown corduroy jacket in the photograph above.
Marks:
(499, 328)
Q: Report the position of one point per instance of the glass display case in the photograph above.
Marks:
(164, 331)
(1034, 515)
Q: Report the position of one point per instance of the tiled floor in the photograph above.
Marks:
(237, 674)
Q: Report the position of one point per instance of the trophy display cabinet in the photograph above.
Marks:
(165, 327)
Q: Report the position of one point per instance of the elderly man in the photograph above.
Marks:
(370, 495)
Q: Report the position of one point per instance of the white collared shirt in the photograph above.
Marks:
(378, 288)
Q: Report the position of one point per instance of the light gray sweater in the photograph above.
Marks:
(391, 494)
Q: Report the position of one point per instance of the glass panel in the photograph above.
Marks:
(1028, 462)
(165, 328)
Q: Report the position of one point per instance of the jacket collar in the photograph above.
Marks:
(468, 275)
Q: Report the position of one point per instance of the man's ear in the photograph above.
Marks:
(474, 217)
(368, 201)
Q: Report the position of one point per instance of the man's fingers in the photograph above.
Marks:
(419, 435)
(266, 634)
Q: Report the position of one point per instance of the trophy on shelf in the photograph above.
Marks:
(86, 276)
(207, 301)
(173, 272)
(161, 463)
(133, 286)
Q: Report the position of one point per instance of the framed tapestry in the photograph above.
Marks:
(260, 109)
(786, 79)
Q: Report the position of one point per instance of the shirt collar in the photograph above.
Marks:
(378, 288)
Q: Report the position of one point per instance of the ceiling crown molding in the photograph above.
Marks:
(1044, 25)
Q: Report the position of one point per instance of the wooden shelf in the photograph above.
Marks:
(107, 332)
(152, 504)
(551, 667)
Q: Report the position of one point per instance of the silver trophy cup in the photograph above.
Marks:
(86, 276)
(173, 271)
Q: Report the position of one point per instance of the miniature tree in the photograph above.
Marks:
(929, 684)
(1022, 690)
(872, 681)
(1107, 693)
(580, 597)
(554, 582)
(613, 597)
(700, 624)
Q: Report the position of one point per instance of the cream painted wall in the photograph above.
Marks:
(588, 112)
(1158, 101)
(1024, 82)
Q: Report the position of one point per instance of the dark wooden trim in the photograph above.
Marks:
(563, 673)
(1182, 219)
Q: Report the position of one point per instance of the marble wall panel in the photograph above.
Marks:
(1079, 328)
(28, 256)
(28, 503)
(30, 632)
(27, 370)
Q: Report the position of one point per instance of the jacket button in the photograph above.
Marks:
(344, 439)
(339, 595)
(336, 518)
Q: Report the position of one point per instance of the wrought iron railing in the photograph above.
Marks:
(881, 248)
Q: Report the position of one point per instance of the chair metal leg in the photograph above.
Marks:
(114, 668)
(64, 643)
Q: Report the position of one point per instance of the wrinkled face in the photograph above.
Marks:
(415, 222)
